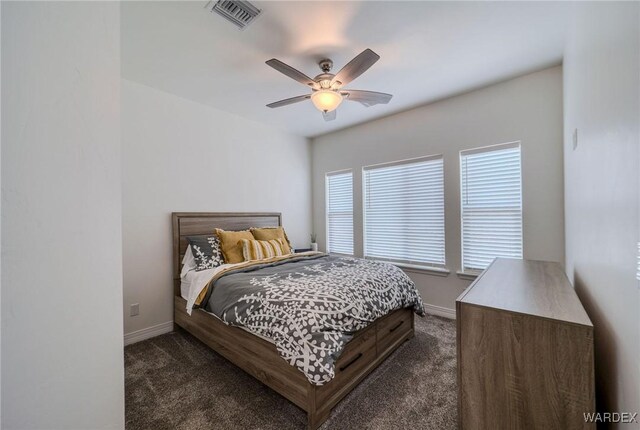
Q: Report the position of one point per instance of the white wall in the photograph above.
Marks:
(183, 156)
(602, 100)
(62, 363)
(528, 108)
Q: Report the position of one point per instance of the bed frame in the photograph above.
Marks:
(369, 347)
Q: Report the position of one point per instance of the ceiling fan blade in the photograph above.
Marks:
(367, 98)
(356, 67)
(329, 116)
(292, 73)
(288, 101)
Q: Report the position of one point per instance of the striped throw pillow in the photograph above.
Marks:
(262, 249)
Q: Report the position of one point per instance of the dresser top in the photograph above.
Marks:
(538, 288)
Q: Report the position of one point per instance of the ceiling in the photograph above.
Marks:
(429, 50)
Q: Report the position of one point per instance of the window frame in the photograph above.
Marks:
(466, 272)
(436, 268)
(327, 175)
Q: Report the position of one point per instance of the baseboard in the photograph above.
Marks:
(440, 311)
(147, 333)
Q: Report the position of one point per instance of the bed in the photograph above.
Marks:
(260, 358)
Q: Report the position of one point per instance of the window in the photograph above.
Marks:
(404, 211)
(339, 189)
(491, 205)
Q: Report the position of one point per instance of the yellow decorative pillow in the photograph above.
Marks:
(269, 233)
(262, 249)
(229, 244)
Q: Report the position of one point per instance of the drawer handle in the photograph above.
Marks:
(357, 357)
(396, 327)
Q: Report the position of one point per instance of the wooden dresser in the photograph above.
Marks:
(525, 350)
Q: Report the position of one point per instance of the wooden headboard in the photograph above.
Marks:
(204, 223)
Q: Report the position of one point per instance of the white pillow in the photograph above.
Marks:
(188, 262)
(185, 285)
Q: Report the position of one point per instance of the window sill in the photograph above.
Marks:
(470, 276)
(436, 271)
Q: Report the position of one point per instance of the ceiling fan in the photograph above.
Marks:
(327, 88)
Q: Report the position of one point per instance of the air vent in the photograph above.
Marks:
(240, 13)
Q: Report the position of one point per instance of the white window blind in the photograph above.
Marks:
(404, 211)
(339, 194)
(491, 207)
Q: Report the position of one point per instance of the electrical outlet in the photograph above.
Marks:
(135, 309)
(575, 139)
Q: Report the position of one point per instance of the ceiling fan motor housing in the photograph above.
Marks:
(324, 80)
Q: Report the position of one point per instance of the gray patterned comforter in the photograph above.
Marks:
(311, 306)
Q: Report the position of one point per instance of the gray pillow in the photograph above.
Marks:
(206, 251)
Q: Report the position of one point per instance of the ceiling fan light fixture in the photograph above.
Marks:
(326, 100)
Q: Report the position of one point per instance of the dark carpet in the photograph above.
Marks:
(176, 382)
